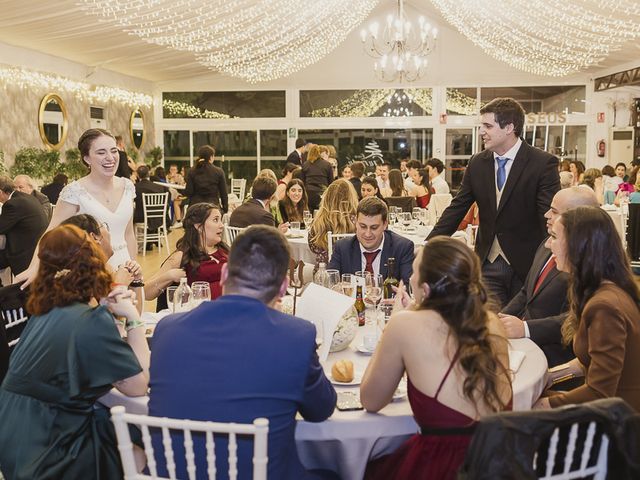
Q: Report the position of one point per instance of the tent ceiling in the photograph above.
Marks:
(61, 28)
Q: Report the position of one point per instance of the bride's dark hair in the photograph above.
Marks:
(452, 272)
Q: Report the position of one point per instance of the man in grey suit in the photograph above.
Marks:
(539, 309)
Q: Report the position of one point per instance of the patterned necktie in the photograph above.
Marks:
(370, 258)
(502, 173)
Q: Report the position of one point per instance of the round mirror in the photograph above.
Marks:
(136, 129)
(52, 121)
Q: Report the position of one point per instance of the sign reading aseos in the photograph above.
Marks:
(546, 117)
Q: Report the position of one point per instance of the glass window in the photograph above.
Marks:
(176, 148)
(366, 103)
(373, 146)
(575, 143)
(273, 150)
(250, 104)
(236, 151)
(570, 99)
(462, 101)
(458, 151)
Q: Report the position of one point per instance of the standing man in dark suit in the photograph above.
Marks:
(124, 169)
(257, 361)
(539, 309)
(296, 157)
(513, 184)
(22, 221)
(372, 245)
(144, 185)
(357, 171)
(256, 210)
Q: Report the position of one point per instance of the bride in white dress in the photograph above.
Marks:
(109, 199)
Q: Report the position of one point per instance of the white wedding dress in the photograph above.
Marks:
(117, 221)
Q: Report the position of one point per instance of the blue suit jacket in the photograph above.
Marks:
(347, 257)
(233, 360)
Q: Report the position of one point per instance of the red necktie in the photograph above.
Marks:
(370, 258)
(551, 264)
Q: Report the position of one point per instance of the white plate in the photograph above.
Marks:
(357, 379)
(361, 348)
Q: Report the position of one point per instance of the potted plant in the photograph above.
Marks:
(73, 166)
(154, 156)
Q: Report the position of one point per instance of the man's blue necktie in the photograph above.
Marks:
(501, 177)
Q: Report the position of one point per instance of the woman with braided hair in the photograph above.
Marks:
(199, 255)
(455, 355)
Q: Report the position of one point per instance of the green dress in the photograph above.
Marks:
(51, 429)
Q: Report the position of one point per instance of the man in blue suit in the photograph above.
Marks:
(237, 358)
(373, 245)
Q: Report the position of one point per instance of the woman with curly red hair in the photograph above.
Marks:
(68, 356)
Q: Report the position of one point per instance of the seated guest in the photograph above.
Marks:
(373, 245)
(604, 310)
(369, 188)
(25, 184)
(566, 179)
(382, 175)
(159, 175)
(455, 356)
(256, 210)
(592, 178)
(144, 185)
(539, 309)
(413, 166)
(294, 203)
(634, 197)
(200, 254)
(52, 190)
(577, 168)
(396, 185)
(287, 176)
(357, 171)
(173, 176)
(422, 189)
(435, 169)
(257, 361)
(273, 201)
(69, 355)
(346, 172)
(336, 214)
(22, 221)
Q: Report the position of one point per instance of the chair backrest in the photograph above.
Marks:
(332, 238)
(406, 203)
(231, 233)
(13, 311)
(238, 186)
(259, 430)
(155, 205)
(11, 319)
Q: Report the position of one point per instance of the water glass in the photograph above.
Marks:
(295, 227)
(307, 218)
(201, 292)
(417, 215)
(171, 295)
(333, 280)
(347, 285)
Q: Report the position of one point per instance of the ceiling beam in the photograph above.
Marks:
(619, 79)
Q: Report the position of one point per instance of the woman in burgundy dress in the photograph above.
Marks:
(455, 355)
(199, 254)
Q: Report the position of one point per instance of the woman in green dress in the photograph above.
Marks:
(69, 355)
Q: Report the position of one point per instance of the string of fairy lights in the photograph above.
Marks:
(99, 94)
(255, 41)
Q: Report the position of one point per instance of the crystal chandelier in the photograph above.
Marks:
(401, 49)
(545, 37)
(398, 105)
(255, 41)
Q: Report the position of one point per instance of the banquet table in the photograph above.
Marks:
(347, 440)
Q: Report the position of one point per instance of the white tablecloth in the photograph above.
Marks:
(346, 441)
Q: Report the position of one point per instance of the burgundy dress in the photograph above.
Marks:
(423, 201)
(209, 271)
(437, 452)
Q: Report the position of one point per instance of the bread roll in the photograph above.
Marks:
(342, 371)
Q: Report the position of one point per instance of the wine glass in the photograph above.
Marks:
(374, 285)
(201, 292)
(405, 219)
(417, 215)
(307, 218)
(392, 217)
(347, 285)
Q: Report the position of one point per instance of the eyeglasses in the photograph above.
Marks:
(104, 225)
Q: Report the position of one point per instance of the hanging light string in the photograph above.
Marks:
(255, 41)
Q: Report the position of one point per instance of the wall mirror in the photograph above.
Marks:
(52, 121)
(136, 129)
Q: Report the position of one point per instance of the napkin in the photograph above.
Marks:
(516, 358)
(322, 306)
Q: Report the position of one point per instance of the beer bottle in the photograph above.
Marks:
(360, 307)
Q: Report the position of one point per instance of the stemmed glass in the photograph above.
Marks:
(373, 293)
(201, 293)
(417, 215)
(307, 218)
(392, 216)
(347, 285)
(405, 218)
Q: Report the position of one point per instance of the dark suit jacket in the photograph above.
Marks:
(44, 202)
(357, 184)
(52, 191)
(518, 221)
(294, 157)
(251, 362)
(23, 221)
(207, 183)
(545, 310)
(250, 213)
(347, 257)
(146, 186)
